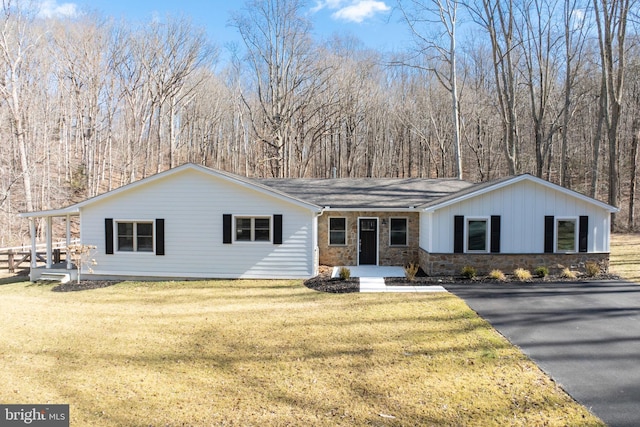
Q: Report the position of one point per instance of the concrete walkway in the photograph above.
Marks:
(372, 279)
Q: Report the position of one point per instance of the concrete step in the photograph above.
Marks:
(55, 277)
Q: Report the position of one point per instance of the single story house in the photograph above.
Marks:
(196, 222)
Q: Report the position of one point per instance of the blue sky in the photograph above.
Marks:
(371, 21)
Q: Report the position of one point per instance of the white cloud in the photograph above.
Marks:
(51, 9)
(352, 10)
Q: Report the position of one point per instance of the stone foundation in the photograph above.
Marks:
(451, 264)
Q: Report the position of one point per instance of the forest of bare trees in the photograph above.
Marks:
(489, 88)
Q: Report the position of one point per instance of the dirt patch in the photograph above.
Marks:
(84, 285)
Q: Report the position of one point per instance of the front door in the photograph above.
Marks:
(368, 253)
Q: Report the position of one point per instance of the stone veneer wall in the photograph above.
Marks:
(387, 255)
(451, 264)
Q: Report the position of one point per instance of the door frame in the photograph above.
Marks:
(377, 249)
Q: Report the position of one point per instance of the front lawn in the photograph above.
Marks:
(625, 256)
(266, 353)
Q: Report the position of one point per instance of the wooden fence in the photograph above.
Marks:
(19, 257)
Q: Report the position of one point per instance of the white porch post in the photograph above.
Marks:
(49, 242)
(32, 230)
(68, 242)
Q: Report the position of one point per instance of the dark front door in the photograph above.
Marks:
(368, 241)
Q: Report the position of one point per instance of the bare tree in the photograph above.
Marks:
(18, 41)
(421, 16)
(574, 40)
(284, 74)
(498, 19)
(611, 22)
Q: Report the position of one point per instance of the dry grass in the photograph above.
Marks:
(267, 353)
(625, 256)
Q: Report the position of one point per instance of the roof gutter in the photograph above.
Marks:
(369, 209)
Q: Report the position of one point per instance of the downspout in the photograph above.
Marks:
(316, 254)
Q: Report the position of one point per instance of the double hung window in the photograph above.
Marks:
(398, 232)
(337, 231)
(253, 229)
(135, 236)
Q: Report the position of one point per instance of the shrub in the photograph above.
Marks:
(344, 273)
(522, 274)
(468, 272)
(410, 270)
(541, 271)
(497, 275)
(592, 268)
(567, 274)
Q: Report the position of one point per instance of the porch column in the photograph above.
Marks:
(68, 242)
(49, 242)
(32, 230)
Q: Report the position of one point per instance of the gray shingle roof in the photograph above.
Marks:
(367, 193)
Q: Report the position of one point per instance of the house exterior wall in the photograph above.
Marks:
(522, 207)
(192, 204)
(337, 255)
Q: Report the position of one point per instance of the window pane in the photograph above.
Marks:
(243, 229)
(337, 224)
(337, 231)
(144, 236)
(262, 233)
(337, 238)
(477, 235)
(125, 236)
(566, 236)
(398, 231)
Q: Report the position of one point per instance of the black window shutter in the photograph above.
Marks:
(108, 235)
(583, 234)
(226, 228)
(159, 236)
(277, 229)
(495, 233)
(549, 223)
(458, 234)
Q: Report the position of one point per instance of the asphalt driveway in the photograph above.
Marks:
(586, 336)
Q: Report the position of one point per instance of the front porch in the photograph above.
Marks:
(54, 268)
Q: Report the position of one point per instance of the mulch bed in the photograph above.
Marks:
(323, 282)
(84, 285)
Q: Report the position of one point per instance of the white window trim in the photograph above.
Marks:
(406, 222)
(487, 237)
(135, 235)
(346, 235)
(253, 229)
(576, 233)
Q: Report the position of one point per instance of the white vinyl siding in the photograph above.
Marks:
(522, 207)
(193, 204)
